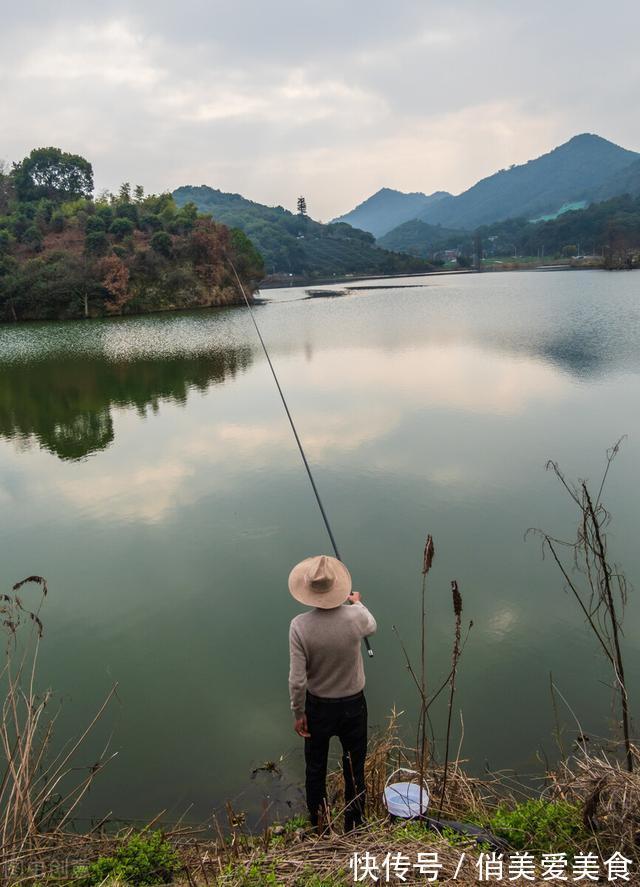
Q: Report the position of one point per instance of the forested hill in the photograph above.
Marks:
(586, 168)
(64, 254)
(572, 172)
(610, 229)
(296, 244)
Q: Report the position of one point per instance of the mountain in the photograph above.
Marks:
(610, 229)
(386, 209)
(296, 244)
(584, 169)
(572, 172)
(625, 181)
(421, 239)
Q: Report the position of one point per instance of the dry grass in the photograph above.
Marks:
(608, 794)
(39, 789)
(465, 796)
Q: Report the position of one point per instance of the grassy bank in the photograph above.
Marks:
(588, 805)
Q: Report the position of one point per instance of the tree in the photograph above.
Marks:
(115, 279)
(54, 174)
(124, 194)
(138, 193)
(6, 188)
(151, 222)
(33, 238)
(162, 244)
(121, 228)
(302, 206)
(96, 243)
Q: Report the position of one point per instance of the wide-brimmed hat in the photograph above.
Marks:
(322, 581)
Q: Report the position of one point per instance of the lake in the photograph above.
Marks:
(149, 473)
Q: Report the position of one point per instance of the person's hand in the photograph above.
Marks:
(301, 727)
(354, 597)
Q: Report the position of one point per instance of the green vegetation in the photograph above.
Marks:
(294, 244)
(610, 229)
(421, 239)
(64, 254)
(142, 860)
(541, 826)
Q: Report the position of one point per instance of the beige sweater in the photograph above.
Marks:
(326, 658)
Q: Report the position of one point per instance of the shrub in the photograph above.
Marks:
(121, 228)
(57, 222)
(151, 222)
(540, 825)
(5, 241)
(161, 243)
(127, 211)
(95, 223)
(141, 861)
(33, 238)
(104, 212)
(96, 243)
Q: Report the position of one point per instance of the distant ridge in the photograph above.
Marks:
(584, 169)
(574, 171)
(387, 208)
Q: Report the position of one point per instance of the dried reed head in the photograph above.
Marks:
(457, 599)
(429, 552)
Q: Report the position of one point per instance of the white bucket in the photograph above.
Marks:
(406, 799)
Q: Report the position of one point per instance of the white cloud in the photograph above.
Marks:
(331, 100)
(111, 53)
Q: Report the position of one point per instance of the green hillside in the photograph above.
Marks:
(296, 244)
(574, 171)
(65, 255)
(625, 181)
(609, 229)
(420, 239)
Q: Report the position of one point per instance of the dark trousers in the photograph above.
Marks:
(346, 719)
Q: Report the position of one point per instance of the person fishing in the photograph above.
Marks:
(326, 680)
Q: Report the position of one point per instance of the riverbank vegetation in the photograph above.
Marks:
(65, 254)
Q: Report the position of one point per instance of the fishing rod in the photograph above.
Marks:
(293, 427)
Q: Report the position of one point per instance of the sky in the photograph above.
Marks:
(331, 100)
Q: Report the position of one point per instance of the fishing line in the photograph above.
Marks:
(293, 427)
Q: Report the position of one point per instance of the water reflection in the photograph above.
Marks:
(423, 409)
(65, 405)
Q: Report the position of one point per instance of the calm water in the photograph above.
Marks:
(148, 472)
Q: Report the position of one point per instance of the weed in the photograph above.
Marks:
(541, 826)
(143, 860)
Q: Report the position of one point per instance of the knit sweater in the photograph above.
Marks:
(325, 654)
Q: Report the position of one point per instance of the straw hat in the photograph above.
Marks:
(322, 581)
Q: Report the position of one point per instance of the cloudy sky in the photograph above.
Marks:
(332, 99)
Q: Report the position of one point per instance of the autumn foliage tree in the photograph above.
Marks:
(115, 279)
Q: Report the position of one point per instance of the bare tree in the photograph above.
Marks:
(597, 584)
